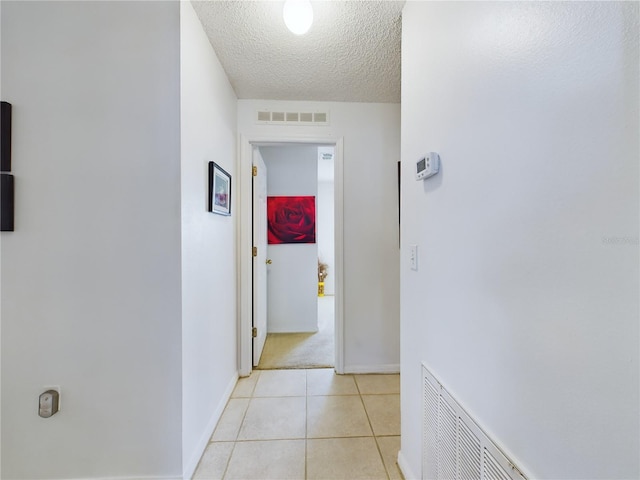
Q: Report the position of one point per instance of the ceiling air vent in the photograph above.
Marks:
(293, 118)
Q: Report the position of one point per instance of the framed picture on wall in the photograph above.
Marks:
(219, 190)
(291, 220)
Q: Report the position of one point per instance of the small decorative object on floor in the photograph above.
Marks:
(322, 274)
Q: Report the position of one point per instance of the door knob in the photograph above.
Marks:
(268, 262)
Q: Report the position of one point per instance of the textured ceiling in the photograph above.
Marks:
(350, 54)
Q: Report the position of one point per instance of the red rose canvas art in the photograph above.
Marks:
(291, 220)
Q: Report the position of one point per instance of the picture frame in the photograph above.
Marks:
(291, 219)
(219, 190)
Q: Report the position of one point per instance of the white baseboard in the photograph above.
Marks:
(190, 468)
(405, 469)
(293, 328)
(391, 368)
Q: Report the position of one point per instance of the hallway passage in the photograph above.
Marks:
(303, 350)
(307, 424)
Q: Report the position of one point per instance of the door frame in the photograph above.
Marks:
(245, 240)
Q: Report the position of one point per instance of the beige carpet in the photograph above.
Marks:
(303, 350)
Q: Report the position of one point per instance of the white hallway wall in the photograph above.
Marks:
(326, 216)
(91, 277)
(526, 299)
(371, 150)
(0, 278)
(209, 326)
(326, 233)
(292, 279)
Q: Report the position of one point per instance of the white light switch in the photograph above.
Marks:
(413, 256)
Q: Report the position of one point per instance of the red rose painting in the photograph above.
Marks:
(291, 220)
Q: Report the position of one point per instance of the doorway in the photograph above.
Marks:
(300, 263)
(331, 306)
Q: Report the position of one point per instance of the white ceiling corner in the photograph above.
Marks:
(350, 54)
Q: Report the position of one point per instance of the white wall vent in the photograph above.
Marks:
(454, 447)
(292, 118)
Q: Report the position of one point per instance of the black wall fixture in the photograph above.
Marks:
(5, 138)
(6, 179)
(6, 202)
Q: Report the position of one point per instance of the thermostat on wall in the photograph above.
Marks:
(427, 166)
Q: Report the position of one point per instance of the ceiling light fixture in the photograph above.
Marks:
(298, 16)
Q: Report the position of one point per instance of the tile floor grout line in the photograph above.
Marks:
(375, 438)
(282, 396)
(244, 416)
(255, 383)
(235, 442)
(226, 467)
(252, 440)
(340, 437)
(386, 470)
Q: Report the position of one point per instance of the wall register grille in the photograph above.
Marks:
(453, 445)
(292, 118)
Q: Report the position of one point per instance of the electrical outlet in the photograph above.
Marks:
(413, 257)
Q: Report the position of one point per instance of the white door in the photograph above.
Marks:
(260, 259)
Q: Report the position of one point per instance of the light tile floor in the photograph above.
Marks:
(307, 425)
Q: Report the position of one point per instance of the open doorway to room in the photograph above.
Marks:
(300, 256)
(253, 264)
